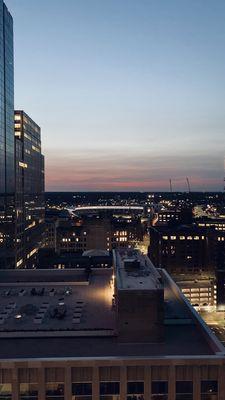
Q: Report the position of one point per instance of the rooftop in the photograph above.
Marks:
(48, 306)
(89, 327)
(135, 271)
(188, 229)
(95, 253)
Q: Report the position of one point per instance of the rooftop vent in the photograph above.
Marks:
(132, 265)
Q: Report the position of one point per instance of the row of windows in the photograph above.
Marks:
(183, 237)
(135, 390)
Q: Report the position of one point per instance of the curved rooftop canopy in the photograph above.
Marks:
(95, 253)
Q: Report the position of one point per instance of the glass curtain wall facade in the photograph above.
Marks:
(29, 190)
(7, 172)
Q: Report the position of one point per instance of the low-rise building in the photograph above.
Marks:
(200, 291)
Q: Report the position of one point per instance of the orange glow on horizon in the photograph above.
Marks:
(108, 184)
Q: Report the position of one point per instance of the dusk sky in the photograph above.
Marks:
(128, 93)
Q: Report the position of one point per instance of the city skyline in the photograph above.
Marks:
(114, 295)
(128, 94)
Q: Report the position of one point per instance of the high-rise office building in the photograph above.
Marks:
(29, 198)
(126, 333)
(7, 173)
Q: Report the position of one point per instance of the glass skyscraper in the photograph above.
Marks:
(29, 198)
(7, 170)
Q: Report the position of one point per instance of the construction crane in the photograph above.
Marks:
(224, 176)
(188, 185)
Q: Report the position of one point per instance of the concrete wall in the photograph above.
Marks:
(140, 315)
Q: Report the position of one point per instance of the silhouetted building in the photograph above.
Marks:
(7, 175)
(190, 254)
(214, 228)
(126, 232)
(164, 217)
(49, 259)
(220, 269)
(71, 238)
(66, 234)
(53, 218)
(182, 249)
(90, 233)
(172, 217)
(29, 199)
(216, 223)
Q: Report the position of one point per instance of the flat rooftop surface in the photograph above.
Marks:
(92, 334)
(144, 277)
(41, 275)
(195, 284)
(57, 306)
(179, 341)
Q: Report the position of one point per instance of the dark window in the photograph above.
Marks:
(209, 387)
(159, 390)
(184, 390)
(82, 389)
(209, 390)
(159, 387)
(109, 388)
(135, 388)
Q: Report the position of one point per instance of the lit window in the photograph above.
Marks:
(22, 164)
(28, 391)
(19, 262)
(54, 391)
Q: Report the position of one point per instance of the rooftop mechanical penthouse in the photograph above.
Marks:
(110, 334)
